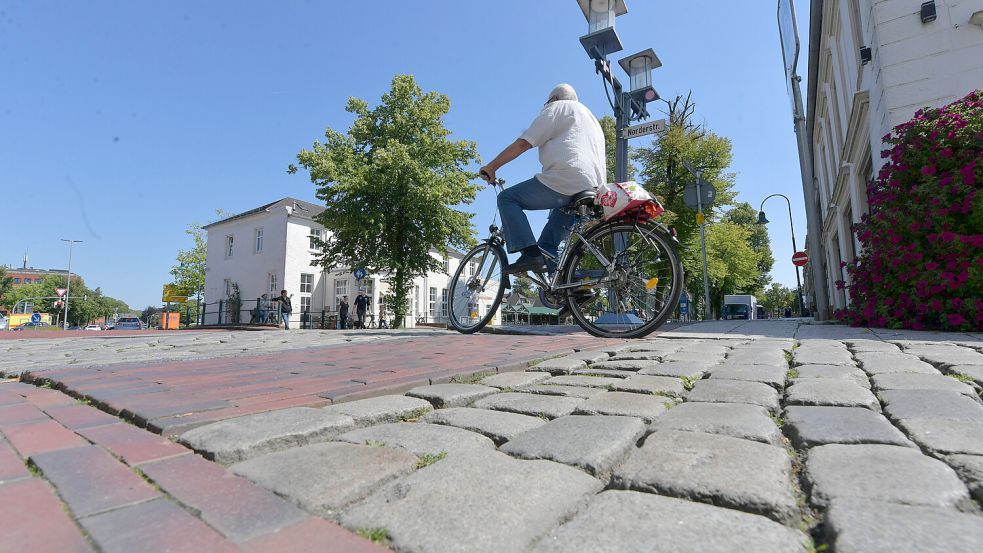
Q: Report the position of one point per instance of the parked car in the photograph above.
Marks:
(128, 323)
(92, 327)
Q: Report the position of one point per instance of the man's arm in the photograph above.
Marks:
(511, 152)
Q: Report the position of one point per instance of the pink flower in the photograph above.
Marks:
(946, 152)
(955, 319)
(928, 170)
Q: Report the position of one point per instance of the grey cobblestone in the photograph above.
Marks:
(324, 478)
(930, 404)
(734, 391)
(418, 438)
(584, 381)
(813, 426)
(582, 392)
(644, 406)
(659, 385)
(874, 527)
(509, 504)
(497, 425)
(823, 356)
(592, 443)
(391, 408)
(603, 372)
(906, 381)
(860, 345)
(943, 437)
(560, 365)
(757, 356)
(515, 379)
(625, 364)
(451, 395)
(590, 356)
(832, 371)
(946, 355)
(881, 363)
(970, 469)
(242, 438)
(638, 356)
(771, 375)
(536, 405)
(882, 473)
(721, 470)
(973, 372)
(749, 422)
(610, 524)
(677, 369)
(831, 393)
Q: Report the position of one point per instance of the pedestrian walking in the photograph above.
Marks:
(343, 309)
(285, 308)
(361, 305)
(263, 309)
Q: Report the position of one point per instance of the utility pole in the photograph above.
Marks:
(68, 287)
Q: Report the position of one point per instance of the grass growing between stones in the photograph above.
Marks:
(33, 469)
(375, 443)
(415, 414)
(427, 459)
(688, 382)
(374, 535)
(792, 373)
(962, 378)
(147, 479)
(779, 421)
(472, 378)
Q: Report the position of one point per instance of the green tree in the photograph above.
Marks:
(732, 265)
(524, 287)
(84, 306)
(189, 271)
(6, 284)
(746, 216)
(389, 187)
(776, 298)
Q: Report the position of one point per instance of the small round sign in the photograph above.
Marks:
(36, 318)
(799, 259)
(359, 273)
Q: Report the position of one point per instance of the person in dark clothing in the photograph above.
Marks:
(343, 312)
(285, 308)
(361, 305)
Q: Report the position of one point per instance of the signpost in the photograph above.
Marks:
(173, 294)
(799, 259)
(700, 192)
(61, 292)
(359, 273)
(650, 127)
(36, 318)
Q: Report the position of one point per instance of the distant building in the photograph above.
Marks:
(872, 65)
(30, 275)
(270, 248)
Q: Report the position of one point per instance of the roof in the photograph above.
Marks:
(298, 208)
(543, 311)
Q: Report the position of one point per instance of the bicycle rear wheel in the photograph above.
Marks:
(637, 294)
(477, 288)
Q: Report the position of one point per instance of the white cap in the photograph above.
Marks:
(563, 91)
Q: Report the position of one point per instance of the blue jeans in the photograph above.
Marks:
(286, 320)
(533, 195)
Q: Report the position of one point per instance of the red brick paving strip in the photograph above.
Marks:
(122, 512)
(33, 521)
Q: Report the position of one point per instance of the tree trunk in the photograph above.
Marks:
(400, 290)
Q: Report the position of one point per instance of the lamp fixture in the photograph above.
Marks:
(928, 12)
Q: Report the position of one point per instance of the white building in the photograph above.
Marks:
(271, 248)
(872, 65)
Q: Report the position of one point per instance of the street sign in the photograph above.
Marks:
(649, 127)
(700, 218)
(173, 294)
(707, 191)
(359, 273)
(60, 292)
(799, 259)
(788, 33)
(36, 318)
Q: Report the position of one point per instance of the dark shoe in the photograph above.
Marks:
(581, 296)
(526, 263)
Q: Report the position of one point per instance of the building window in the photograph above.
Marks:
(27, 281)
(340, 290)
(306, 283)
(416, 299)
(433, 302)
(228, 245)
(472, 268)
(272, 279)
(16, 280)
(259, 241)
(314, 237)
(305, 304)
(228, 287)
(447, 265)
(443, 302)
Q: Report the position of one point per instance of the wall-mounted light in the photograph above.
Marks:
(976, 18)
(928, 12)
(865, 55)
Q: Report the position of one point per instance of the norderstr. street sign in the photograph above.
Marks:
(649, 127)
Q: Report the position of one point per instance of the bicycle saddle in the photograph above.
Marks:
(582, 198)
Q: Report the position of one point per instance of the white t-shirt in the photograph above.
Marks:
(571, 147)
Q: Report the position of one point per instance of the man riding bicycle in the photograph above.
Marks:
(571, 150)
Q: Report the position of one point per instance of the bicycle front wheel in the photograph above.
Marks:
(476, 289)
(631, 278)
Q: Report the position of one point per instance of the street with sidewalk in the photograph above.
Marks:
(776, 435)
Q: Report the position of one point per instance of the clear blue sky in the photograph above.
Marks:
(122, 122)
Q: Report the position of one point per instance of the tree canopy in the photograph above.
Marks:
(81, 311)
(189, 269)
(390, 187)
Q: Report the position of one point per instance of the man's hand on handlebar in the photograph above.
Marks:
(487, 174)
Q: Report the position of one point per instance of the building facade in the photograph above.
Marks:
(272, 247)
(872, 65)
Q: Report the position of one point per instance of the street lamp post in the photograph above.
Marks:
(68, 287)
(762, 220)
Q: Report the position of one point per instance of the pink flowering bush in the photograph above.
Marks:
(922, 260)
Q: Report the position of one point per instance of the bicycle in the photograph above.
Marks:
(619, 278)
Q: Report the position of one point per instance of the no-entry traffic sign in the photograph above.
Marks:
(799, 259)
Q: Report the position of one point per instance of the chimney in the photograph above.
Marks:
(25, 261)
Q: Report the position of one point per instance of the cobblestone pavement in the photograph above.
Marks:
(762, 436)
